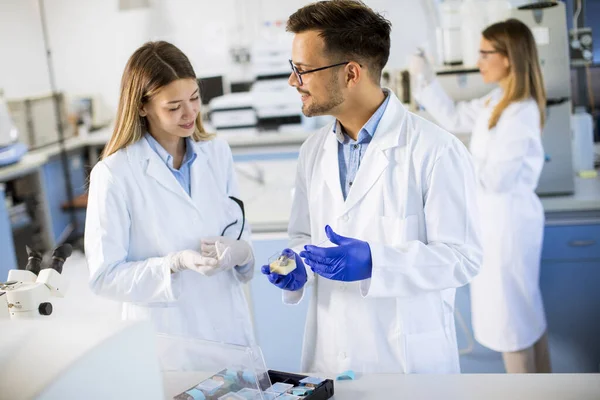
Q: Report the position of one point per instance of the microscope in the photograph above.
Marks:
(27, 292)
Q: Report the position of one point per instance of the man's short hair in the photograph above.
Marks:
(350, 30)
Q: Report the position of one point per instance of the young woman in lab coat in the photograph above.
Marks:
(158, 233)
(506, 125)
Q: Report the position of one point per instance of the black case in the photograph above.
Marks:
(323, 391)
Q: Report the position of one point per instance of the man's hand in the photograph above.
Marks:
(349, 261)
(295, 280)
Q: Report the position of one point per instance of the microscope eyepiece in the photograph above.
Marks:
(34, 260)
(60, 254)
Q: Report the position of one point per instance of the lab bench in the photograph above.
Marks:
(447, 387)
(240, 141)
(570, 276)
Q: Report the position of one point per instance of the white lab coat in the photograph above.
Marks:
(138, 214)
(507, 308)
(413, 201)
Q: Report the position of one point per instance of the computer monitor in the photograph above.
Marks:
(211, 87)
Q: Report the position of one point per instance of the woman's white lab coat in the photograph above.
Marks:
(413, 201)
(138, 214)
(507, 309)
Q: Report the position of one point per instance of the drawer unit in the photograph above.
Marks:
(571, 242)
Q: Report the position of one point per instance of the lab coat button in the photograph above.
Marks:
(343, 355)
(345, 218)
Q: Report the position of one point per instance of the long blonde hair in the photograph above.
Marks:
(150, 68)
(514, 40)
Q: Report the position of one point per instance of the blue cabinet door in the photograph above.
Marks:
(574, 242)
(53, 179)
(572, 302)
(8, 259)
(569, 280)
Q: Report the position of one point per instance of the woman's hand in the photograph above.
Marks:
(227, 252)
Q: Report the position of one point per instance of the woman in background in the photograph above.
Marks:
(506, 125)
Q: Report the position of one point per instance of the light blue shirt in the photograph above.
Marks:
(183, 174)
(351, 152)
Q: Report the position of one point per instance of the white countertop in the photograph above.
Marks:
(235, 138)
(585, 198)
(470, 386)
(38, 157)
(265, 139)
(460, 387)
(28, 163)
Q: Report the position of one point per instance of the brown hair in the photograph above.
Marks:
(350, 29)
(150, 68)
(514, 40)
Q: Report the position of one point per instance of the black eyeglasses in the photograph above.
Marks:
(484, 53)
(241, 205)
(299, 74)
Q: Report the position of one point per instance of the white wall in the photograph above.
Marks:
(201, 29)
(21, 49)
(91, 40)
(412, 26)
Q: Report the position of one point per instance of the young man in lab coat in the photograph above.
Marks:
(393, 193)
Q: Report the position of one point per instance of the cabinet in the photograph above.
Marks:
(8, 260)
(571, 242)
(40, 190)
(569, 279)
(53, 180)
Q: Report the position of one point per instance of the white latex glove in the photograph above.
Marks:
(227, 251)
(192, 260)
(420, 68)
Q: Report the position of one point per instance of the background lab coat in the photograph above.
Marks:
(507, 309)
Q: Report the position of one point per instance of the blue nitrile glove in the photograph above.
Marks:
(292, 281)
(349, 261)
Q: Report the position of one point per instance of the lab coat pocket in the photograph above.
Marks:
(430, 353)
(396, 230)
